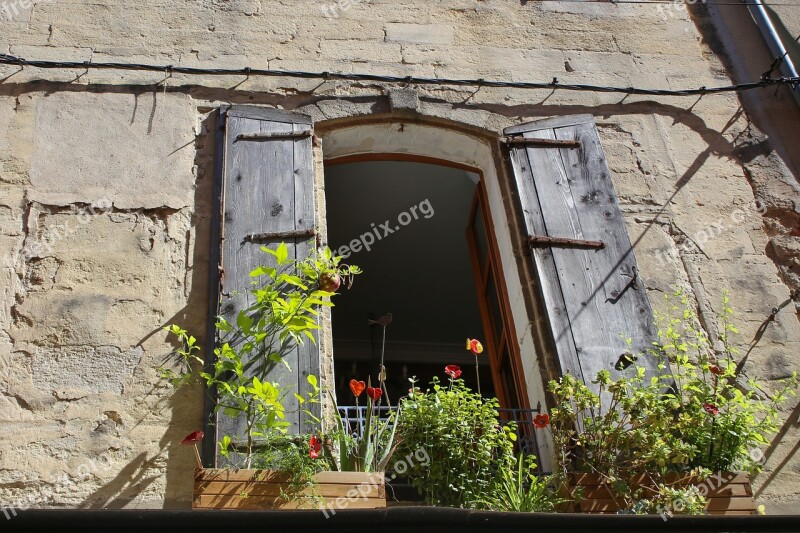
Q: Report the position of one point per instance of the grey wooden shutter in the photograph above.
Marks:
(593, 294)
(267, 197)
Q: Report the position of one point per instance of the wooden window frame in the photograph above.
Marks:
(495, 341)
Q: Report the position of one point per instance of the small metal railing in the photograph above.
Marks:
(354, 416)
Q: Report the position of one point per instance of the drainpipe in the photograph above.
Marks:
(776, 47)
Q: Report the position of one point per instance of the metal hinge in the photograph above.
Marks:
(547, 143)
(292, 234)
(273, 135)
(560, 242)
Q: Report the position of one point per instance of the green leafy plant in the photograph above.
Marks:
(697, 416)
(290, 454)
(668, 500)
(461, 433)
(520, 490)
(367, 449)
(285, 302)
(717, 412)
(286, 299)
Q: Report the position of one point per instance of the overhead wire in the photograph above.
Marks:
(417, 80)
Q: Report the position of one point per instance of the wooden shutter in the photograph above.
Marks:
(267, 197)
(593, 295)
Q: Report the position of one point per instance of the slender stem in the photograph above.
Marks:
(477, 374)
(197, 456)
(250, 417)
(382, 369)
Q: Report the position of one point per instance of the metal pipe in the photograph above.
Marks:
(759, 12)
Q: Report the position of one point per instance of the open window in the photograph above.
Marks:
(403, 222)
(402, 219)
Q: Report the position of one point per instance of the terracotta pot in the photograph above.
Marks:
(727, 493)
(219, 488)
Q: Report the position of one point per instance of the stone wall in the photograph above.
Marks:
(105, 194)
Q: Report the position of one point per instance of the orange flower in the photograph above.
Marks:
(314, 447)
(474, 346)
(193, 437)
(357, 387)
(541, 421)
(453, 371)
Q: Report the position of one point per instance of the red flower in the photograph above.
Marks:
(357, 387)
(474, 346)
(453, 371)
(711, 409)
(314, 447)
(192, 438)
(374, 393)
(541, 421)
(717, 371)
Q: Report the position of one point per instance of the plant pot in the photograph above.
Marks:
(219, 488)
(727, 493)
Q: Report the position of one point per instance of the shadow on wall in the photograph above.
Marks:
(792, 423)
(174, 463)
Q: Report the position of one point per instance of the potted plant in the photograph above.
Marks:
(685, 441)
(267, 468)
(473, 463)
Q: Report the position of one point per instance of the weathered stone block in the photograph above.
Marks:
(64, 370)
(419, 33)
(134, 150)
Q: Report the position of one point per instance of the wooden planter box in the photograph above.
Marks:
(219, 488)
(728, 493)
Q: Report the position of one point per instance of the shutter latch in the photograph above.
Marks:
(538, 241)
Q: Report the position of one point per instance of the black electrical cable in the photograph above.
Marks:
(247, 71)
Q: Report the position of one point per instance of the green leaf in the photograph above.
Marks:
(244, 321)
(263, 271)
(281, 253)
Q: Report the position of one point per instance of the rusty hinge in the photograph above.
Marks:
(542, 242)
(543, 142)
(292, 234)
(273, 135)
